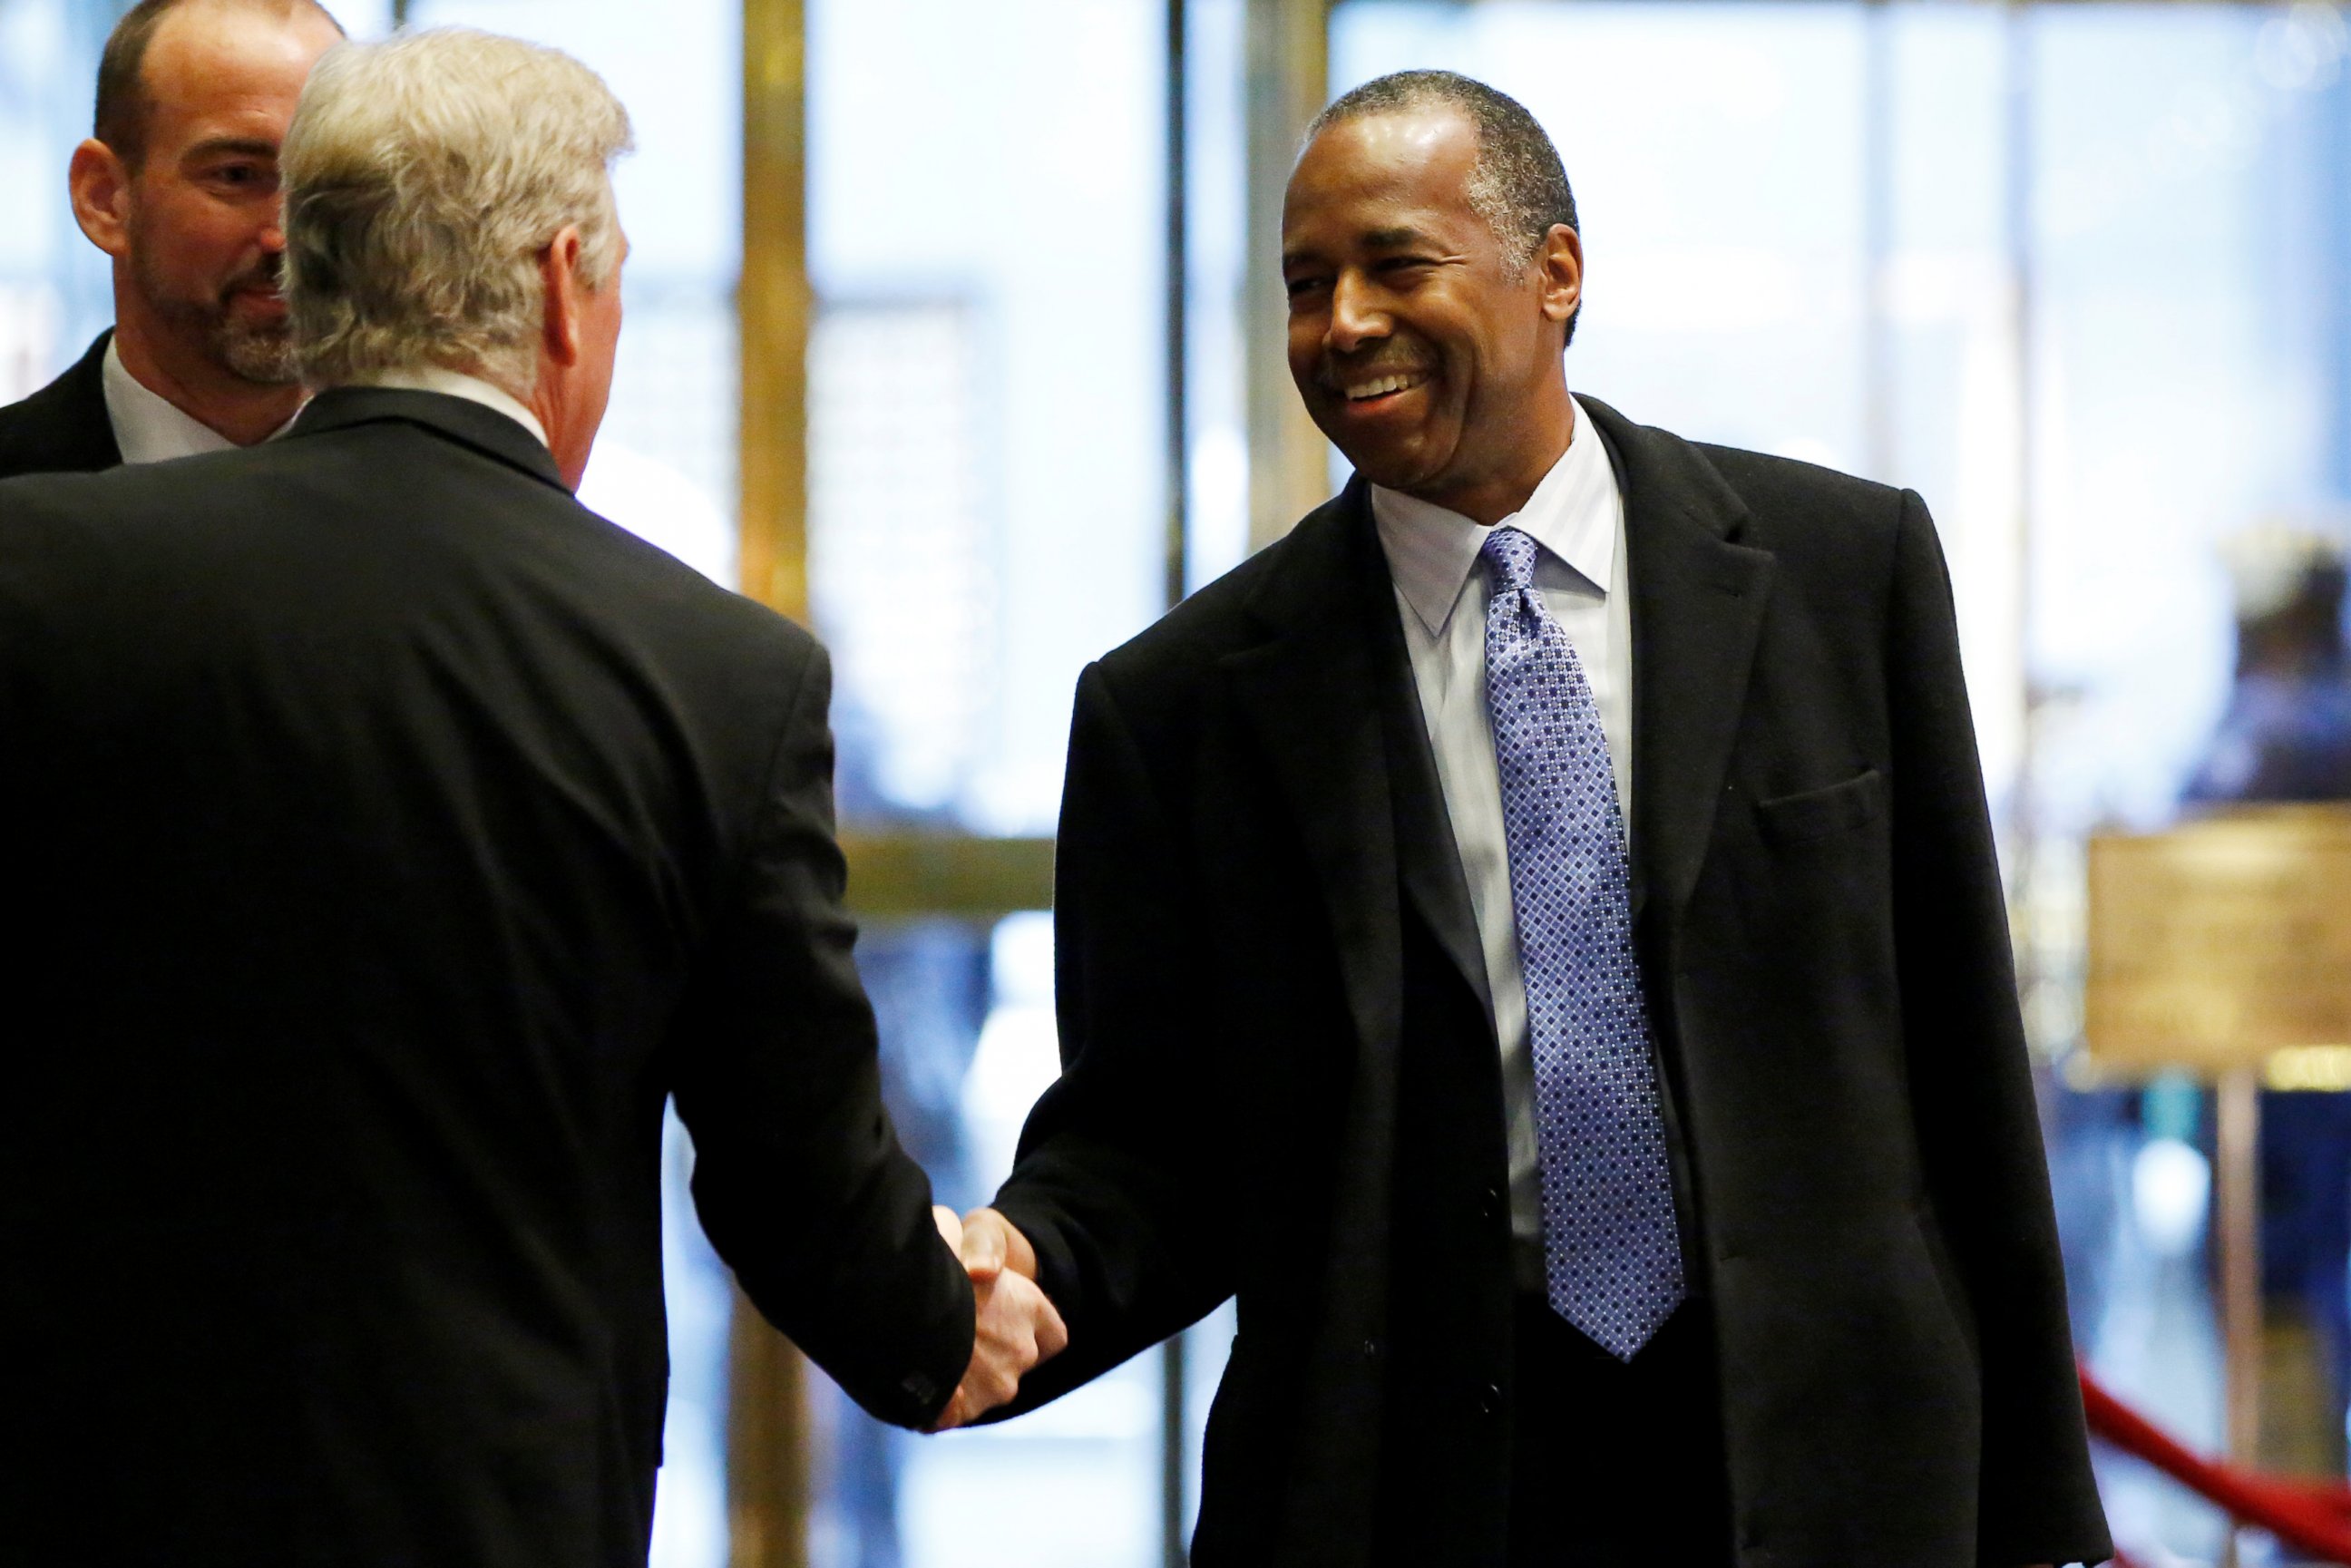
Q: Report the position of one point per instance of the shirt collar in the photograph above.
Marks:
(1573, 515)
(148, 426)
(456, 383)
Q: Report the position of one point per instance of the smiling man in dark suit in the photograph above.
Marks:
(1533, 936)
(177, 183)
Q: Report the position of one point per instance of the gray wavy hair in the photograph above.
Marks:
(423, 177)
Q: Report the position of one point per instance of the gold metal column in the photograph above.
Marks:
(1288, 66)
(768, 1435)
(2237, 1193)
(773, 307)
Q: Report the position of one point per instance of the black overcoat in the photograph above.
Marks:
(384, 837)
(1262, 926)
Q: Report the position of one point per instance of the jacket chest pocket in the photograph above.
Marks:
(1825, 812)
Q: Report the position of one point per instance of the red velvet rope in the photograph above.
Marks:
(2314, 1517)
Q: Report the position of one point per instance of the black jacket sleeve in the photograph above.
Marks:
(1978, 1129)
(1122, 1177)
(799, 1176)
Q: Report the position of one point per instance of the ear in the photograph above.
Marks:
(559, 270)
(1558, 265)
(100, 186)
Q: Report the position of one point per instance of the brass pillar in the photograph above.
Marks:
(2237, 1190)
(766, 1436)
(1288, 68)
(773, 307)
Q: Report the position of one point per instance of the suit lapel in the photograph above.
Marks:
(1311, 690)
(1697, 608)
(1427, 857)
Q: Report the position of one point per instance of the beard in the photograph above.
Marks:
(260, 351)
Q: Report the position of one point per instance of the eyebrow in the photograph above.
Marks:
(1395, 238)
(248, 146)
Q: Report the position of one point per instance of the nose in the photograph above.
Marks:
(1356, 318)
(272, 238)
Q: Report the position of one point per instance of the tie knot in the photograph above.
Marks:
(1510, 556)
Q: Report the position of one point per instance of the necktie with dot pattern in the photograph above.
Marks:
(1612, 1253)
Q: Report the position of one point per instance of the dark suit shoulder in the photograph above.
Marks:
(1775, 487)
(255, 523)
(1833, 536)
(1223, 618)
(64, 428)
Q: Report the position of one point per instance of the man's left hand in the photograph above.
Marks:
(1016, 1329)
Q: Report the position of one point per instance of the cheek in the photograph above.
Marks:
(190, 238)
(1304, 348)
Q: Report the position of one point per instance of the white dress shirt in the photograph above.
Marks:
(151, 428)
(456, 383)
(1577, 515)
(148, 426)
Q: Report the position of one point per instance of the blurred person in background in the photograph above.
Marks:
(385, 837)
(2285, 735)
(1532, 936)
(178, 184)
(2286, 732)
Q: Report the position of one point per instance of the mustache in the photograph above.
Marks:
(266, 276)
(1334, 372)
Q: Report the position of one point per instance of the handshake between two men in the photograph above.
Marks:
(1015, 1328)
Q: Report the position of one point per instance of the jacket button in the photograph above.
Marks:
(1371, 1350)
(1489, 1400)
(1490, 1203)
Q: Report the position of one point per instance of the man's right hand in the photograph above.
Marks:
(1017, 1328)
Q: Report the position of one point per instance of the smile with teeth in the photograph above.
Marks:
(1384, 385)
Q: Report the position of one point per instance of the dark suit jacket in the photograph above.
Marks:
(1280, 1079)
(385, 837)
(62, 428)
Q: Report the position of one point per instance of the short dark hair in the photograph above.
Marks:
(124, 107)
(1518, 185)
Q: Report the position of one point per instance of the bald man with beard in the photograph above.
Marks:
(178, 184)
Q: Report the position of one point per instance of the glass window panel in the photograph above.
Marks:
(56, 293)
(1216, 210)
(999, 163)
(898, 544)
(2182, 373)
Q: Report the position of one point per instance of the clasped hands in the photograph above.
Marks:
(1015, 1328)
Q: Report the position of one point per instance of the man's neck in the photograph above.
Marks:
(241, 411)
(1489, 500)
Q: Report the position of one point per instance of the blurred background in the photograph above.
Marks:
(974, 307)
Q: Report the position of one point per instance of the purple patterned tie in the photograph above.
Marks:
(1611, 1255)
